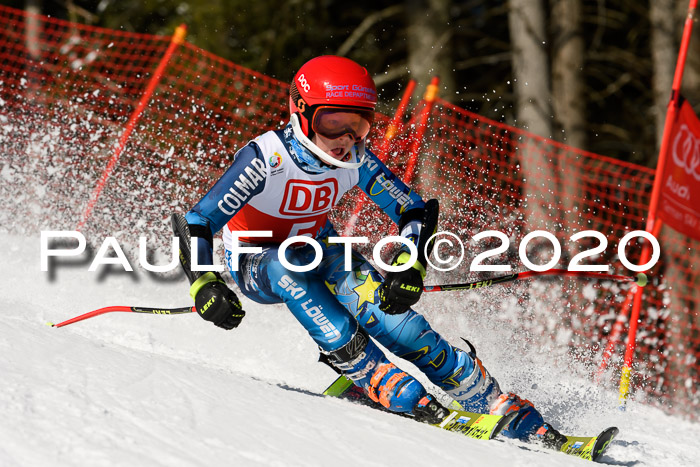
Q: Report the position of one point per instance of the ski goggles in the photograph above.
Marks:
(334, 122)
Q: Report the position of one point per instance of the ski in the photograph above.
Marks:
(481, 426)
(470, 424)
(589, 447)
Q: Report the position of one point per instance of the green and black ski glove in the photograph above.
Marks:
(215, 302)
(401, 290)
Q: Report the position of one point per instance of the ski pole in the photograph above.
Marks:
(640, 279)
(128, 309)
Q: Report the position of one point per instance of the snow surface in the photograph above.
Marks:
(152, 390)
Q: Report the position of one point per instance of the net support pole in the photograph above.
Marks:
(625, 378)
(177, 39)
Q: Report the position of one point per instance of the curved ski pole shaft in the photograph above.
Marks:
(640, 279)
(127, 309)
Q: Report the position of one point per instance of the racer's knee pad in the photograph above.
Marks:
(476, 389)
(365, 364)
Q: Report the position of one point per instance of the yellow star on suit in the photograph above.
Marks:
(366, 290)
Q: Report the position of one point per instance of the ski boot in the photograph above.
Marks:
(429, 410)
(550, 437)
(475, 389)
(525, 424)
(394, 389)
(367, 366)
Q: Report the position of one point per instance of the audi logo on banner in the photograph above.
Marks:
(686, 151)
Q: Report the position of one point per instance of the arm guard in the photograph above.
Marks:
(419, 225)
(185, 232)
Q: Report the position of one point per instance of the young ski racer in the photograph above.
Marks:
(286, 182)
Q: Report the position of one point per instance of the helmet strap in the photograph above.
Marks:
(322, 155)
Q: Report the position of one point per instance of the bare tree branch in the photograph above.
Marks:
(365, 25)
(611, 88)
(485, 60)
(397, 70)
(74, 10)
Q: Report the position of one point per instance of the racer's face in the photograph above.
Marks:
(338, 148)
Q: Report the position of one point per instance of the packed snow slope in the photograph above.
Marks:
(151, 390)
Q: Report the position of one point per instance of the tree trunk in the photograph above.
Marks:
(530, 67)
(568, 102)
(690, 87)
(429, 44)
(663, 54)
(32, 43)
(567, 72)
(531, 87)
(429, 54)
(33, 31)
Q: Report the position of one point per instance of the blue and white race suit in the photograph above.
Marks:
(267, 189)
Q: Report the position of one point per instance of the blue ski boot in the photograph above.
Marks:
(550, 437)
(472, 386)
(394, 389)
(429, 410)
(362, 361)
(528, 421)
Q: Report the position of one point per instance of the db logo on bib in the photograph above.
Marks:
(307, 197)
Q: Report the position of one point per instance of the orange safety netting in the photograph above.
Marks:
(67, 92)
(490, 176)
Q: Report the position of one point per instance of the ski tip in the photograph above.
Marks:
(339, 387)
(49, 323)
(603, 441)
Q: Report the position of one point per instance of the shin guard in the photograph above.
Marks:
(367, 366)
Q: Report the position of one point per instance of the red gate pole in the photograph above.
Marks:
(429, 98)
(177, 39)
(654, 202)
(615, 333)
(395, 124)
(619, 326)
(383, 150)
